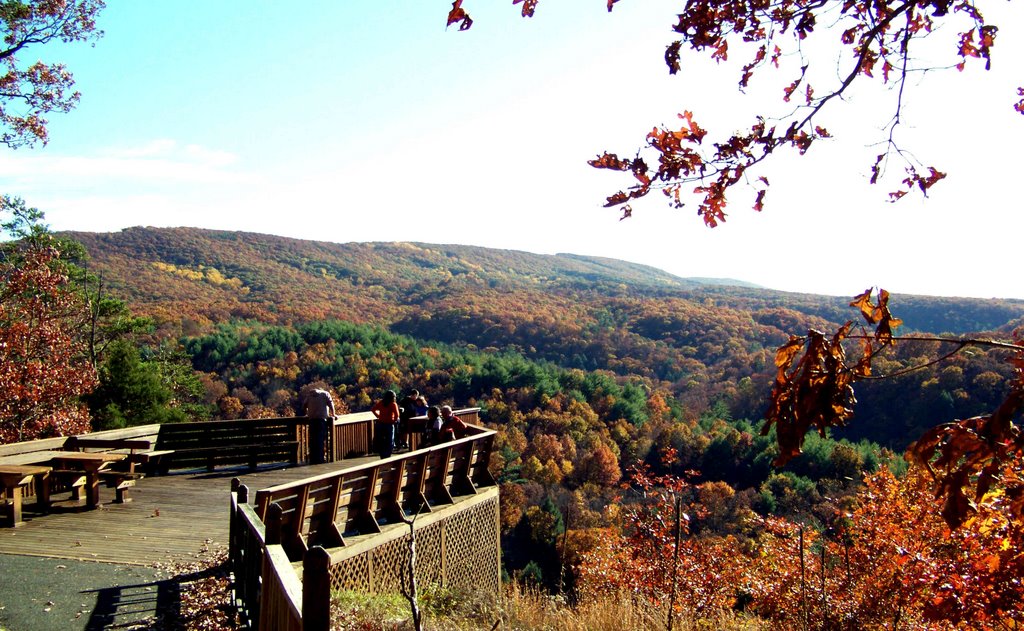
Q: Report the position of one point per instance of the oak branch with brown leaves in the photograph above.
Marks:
(29, 92)
(855, 41)
(971, 461)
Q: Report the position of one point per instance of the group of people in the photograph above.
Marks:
(392, 427)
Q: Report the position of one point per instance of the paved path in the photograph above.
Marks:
(43, 594)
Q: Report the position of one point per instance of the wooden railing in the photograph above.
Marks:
(247, 542)
(297, 521)
(52, 444)
(233, 442)
(352, 436)
(324, 509)
(267, 593)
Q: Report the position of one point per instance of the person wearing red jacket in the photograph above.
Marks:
(452, 426)
(387, 414)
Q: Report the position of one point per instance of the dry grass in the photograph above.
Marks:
(518, 609)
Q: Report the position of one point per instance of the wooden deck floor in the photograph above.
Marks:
(170, 519)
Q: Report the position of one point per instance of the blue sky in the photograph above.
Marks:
(369, 121)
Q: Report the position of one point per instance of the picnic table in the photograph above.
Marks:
(92, 464)
(136, 451)
(79, 470)
(14, 478)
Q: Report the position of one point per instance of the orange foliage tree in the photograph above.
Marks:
(886, 561)
(29, 92)
(853, 41)
(652, 554)
(975, 466)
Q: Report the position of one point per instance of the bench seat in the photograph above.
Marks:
(120, 481)
(72, 480)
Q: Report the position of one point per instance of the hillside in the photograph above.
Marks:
(700, 342)
(216, 274)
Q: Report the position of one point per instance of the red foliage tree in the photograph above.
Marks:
(968, 458)
(43, 366)
(652, 555)
(885, 561)
(28, 93)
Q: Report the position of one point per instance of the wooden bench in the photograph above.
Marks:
(329, 508)
(122, 475)
(209, 444)
(73, 480)
(121, 481)
(14, 479)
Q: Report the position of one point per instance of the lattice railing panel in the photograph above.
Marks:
(389, 562)
(459, 551)
(487, 561)
(459, 543)
(353, 574)
(430, 554)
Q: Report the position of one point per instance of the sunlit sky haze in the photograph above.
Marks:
(369, 121)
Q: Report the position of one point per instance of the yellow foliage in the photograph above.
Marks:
(209, 275)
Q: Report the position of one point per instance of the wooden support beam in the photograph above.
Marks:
(329, 535)
(440, 492)
(294, 527)
(364, 518)
(461, 478)
(392, 502)
(316, 590)
(418, 494)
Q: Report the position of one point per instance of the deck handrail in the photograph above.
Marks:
(266, 591)
(324, 509)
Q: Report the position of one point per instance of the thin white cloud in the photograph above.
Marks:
(159, 160)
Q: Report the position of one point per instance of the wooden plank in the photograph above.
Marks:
(81, 443)
(171, 519)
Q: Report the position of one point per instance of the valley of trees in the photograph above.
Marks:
(623, 397)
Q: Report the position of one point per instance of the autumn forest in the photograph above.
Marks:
(629, 403)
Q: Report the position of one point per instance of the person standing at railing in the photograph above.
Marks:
(452, 427)
(320, 412)
(421, 406)
(407, 410)
(432, 428)
(385, 410)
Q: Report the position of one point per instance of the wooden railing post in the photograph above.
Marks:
(235, 542)
(274, 519)
(329, 440)
(316, 590)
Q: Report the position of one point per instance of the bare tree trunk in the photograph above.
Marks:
(824, 587)
(409, 586)
(675, 560)
(803, 583)
(565, 541)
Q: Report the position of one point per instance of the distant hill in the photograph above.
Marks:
(218, 274)
(702, 342)
(728, 282)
